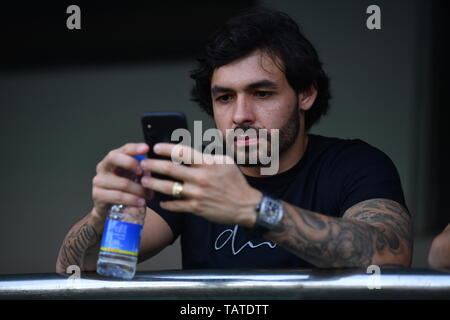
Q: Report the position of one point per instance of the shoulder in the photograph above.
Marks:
(356, 171)
(339, 146)
(349, 154)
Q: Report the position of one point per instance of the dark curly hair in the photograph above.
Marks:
(278, 35)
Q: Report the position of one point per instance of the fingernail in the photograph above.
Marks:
(143, 164)
(144, 180)
(141, 201)
(157, 147)
(142, 147)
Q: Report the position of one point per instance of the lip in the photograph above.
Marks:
(245, 141)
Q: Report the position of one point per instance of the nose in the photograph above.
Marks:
(243, 113)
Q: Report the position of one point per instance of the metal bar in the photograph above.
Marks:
(235, 284)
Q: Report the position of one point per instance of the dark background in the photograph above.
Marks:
(112, 31)
(440, 141)
(67, 97)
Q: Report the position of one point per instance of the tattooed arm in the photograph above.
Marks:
(376, 231)
(81, 245)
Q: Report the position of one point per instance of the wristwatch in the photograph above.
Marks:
(269, 213)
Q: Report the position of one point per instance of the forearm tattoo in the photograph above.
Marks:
(76, 244)
(373, 230)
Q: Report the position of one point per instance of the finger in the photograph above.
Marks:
(166, 186)
(133, 149)
(159, 185)
(115, 196)
(118, 159)
(179, 153)
(169, 168)
(113, 182)
(178, 205)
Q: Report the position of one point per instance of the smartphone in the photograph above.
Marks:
(158, 127)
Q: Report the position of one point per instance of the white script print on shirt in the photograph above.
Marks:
(230, 235)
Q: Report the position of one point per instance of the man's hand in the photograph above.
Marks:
(112, 185)
(217, 192)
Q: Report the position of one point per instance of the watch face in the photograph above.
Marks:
(271, 211)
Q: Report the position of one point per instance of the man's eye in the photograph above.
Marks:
(224, 98)
(263, 94)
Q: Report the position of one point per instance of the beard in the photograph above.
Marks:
(246, 155)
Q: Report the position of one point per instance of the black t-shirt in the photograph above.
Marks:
(333, 175)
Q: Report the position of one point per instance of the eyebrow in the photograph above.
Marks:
(254, 85)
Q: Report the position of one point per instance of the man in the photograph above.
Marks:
(333, 202)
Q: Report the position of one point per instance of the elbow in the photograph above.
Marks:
(59, 269)
(403, 262)
(399, 260)
(406, 259)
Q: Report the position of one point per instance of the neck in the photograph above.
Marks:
(287, 160)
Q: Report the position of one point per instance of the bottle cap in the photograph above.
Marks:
(139, 157)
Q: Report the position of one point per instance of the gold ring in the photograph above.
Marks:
(177, 189)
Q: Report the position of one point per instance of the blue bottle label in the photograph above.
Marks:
(121, 237)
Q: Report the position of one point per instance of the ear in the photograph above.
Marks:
(306, 98)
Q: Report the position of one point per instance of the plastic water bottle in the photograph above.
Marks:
(121, 239)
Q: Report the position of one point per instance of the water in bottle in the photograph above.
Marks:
(120, 242)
